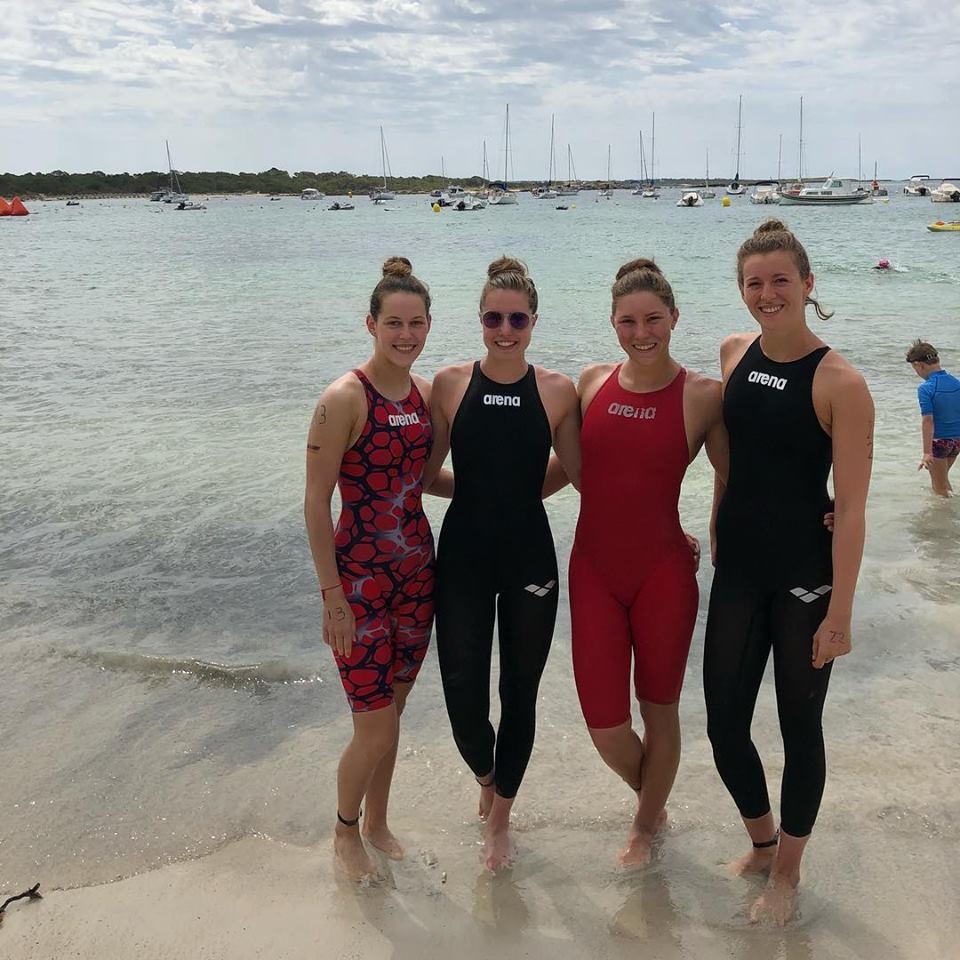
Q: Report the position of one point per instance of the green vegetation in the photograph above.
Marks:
(58, 183)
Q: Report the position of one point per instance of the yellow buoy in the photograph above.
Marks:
(725, 202)
(435, 207)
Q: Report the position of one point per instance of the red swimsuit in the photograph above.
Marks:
(633, 585)
(384, 548)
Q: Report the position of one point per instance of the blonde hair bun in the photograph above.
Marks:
(506, 265)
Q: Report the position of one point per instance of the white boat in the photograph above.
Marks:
(175, 194)
(340, 205)
(832, 192)
(708, 193)
(187, 204)
(765, 192)
(384, 193)
(310, 193)
(572, 187)
(735, 188)
(690, 198)
(546, 191)
(607, 192)
(946, 193)
(917, 186)
(500, 193)
(648, 189)
(468, 204)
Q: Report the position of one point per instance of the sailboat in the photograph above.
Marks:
(500, 195)
(736, 188)
(606, 192)
(176, 195)
(384, 193)
(546, 192)
(707, 192)
(792, 189)
(572, 187)
(650, 192)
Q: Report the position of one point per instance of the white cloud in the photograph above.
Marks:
(303, 83)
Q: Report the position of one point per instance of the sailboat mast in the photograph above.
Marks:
(779, 157)
(859, 160)
(653, 150)
(383, 158)
(736, 179)
(706, 179)
(486, 168)
(552, 159)
(169, 163)
(506, 143)
(800, 157)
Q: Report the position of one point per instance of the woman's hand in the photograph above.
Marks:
(831, 640)
(694, 544)
(339, 627)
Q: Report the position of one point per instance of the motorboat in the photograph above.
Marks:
(690, 198)
(832, 192)
(544, 193)
(946, 193)
(951, 226)
(917, 186)
(765, 192)
(340, 205)
(310, 193)
(467, 204)
(187, 204)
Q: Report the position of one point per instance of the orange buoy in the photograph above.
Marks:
(17, 209)
(4, 208)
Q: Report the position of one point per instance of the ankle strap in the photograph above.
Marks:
(350, 823)
(767, 843)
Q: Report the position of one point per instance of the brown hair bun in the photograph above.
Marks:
(771, 226)
(641, 263)
(397, 267)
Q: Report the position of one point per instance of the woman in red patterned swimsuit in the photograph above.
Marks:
(371, 437)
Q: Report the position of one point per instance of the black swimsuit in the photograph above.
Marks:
(496, 555)
(772, 584)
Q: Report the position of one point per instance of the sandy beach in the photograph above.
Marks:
(880, 878)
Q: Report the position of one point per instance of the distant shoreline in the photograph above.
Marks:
(420, 191)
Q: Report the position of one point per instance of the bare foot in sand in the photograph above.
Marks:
(778, 902)
(638, 850)
(384, 841)
(351, 855)
(487, 793)
(756, 861)
(498, 849)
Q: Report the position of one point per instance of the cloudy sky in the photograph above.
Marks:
(305, 84)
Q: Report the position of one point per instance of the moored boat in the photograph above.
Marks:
(946, 193)
(950, 226)
(832, 192)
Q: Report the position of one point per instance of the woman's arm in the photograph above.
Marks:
(851, 422)
(566, 444)
(437, 480)
(718, 452)
(333, 423)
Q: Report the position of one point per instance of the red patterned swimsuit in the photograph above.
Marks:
(384, 548)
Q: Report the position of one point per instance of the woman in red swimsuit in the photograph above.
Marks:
(371, 437)
(633, 587)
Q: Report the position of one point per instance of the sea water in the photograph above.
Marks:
(164, 685)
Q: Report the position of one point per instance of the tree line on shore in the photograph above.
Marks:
(59, 183)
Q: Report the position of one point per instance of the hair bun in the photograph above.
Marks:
(506, 264)
(771, 226)
(397, 267)
(641, 263)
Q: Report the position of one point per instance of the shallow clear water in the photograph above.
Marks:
(164, 685)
